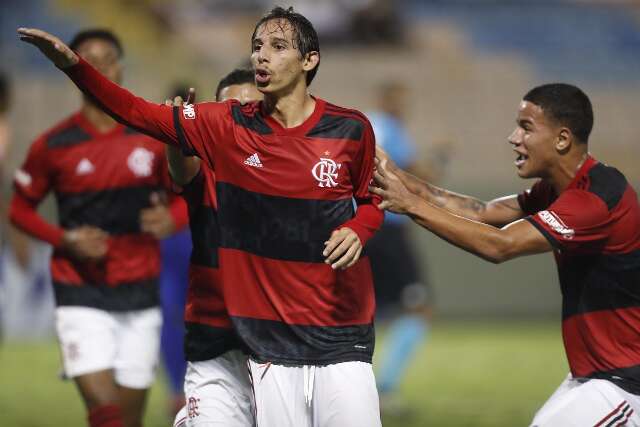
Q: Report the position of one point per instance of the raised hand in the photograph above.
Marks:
(342, 249)
(52, 47)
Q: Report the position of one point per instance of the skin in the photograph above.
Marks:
(551, 152)
(90, 243)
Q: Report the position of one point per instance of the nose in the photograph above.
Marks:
(515, 137)
(261, 55)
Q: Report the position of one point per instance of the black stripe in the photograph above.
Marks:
(205, 235)
(616, 419)
(115, 210)
(600, 282)
(608, 183)
(627, 379)
(204, 342)
(184, 146)
(277, 342)
(67, 137)
(339, 127)
(544, 232)
(123, 297)
(254, 121)
(278, 227)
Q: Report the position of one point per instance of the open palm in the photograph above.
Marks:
(53, 48)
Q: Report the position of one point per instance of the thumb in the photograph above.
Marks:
(191, 96)
(154, 199)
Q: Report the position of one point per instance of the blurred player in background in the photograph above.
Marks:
(108, 181)
(216, 376)
(299, 294)
(588, 215)
(401, 296)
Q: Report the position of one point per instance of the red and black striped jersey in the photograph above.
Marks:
(281, 192)
(594, 227)
(102, 180)
(209, 332)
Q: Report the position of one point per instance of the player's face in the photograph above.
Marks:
(103, 55)
(245, 93)
(533, 140)
(278, 64)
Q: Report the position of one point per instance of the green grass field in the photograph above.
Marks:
(475, 374)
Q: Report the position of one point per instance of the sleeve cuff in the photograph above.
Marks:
(552, 240)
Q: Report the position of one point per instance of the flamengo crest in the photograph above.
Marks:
(326, 172)
(140, 162)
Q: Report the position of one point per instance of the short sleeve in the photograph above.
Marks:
(362, 169)
(200, 128)
(575, 220)
(33, 179)
(537, 198)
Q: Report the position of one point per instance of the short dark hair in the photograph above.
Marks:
(565, 104)
(306, 38)
(238, 76)
(5, 93)
(96, 33)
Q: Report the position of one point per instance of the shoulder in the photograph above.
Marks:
(583, 205)
(607, 184)
(341, 122)
(66, 133)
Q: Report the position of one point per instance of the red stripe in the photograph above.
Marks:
(623, 422)
(610, 414)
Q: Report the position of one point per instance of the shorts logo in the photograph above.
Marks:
(22, 178)
(326, 172)
(554, 221)
(192, 407)
(140, 162)
(189, 111)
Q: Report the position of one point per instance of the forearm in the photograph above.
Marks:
(182, 168)
(149, 118)
(23, 215)
(367, 220)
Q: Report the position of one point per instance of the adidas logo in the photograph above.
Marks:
(84, 167)
(253, 160)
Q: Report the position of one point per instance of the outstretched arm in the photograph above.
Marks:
(488, 242)
(182, 168)
(497, 212)
(152, 119)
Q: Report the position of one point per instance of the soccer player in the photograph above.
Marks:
(588, 215)
(107, 180)
(287, 170)
(217, 382)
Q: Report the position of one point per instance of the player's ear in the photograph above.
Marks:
(564, 139)
(311, 60)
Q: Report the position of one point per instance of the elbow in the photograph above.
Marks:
(499, 251)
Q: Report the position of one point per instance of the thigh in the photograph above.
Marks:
(218, 393)
(97, 388)
(87, 339)
(279, 393)
(592, 403)
(345, 394)
(138, 347)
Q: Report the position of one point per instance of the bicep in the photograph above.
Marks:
(501, 211)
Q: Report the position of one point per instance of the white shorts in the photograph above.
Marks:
(218, 393)
(93, 340)
(598, 403)
(339, 395)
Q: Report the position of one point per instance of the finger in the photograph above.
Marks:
(154, 199)
(333, 242)
(168, 102)
(191, 96)
(346, 258)
(384, 205)
(376, 190)
(380, 179)
(355, 258)
(340, 250)
(178, 101)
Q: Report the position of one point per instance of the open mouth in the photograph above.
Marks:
(262, 77)
(521, 159)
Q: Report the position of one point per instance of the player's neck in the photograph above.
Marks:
(567, 171)
(291, 109)
(98, 118)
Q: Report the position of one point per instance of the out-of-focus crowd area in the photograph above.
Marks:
(465, 66)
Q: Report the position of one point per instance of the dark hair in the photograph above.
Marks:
(96, 33)
(5, 93)
(566, 105)
(305, 35)
(238, 76)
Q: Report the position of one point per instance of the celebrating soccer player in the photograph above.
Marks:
(588, 215)
(107, 180)
(287, 170)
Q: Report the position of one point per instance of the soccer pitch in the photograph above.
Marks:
(475, 373)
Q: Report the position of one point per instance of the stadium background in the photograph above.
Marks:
(496, 352)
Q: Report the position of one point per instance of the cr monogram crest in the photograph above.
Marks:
(326, 172)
